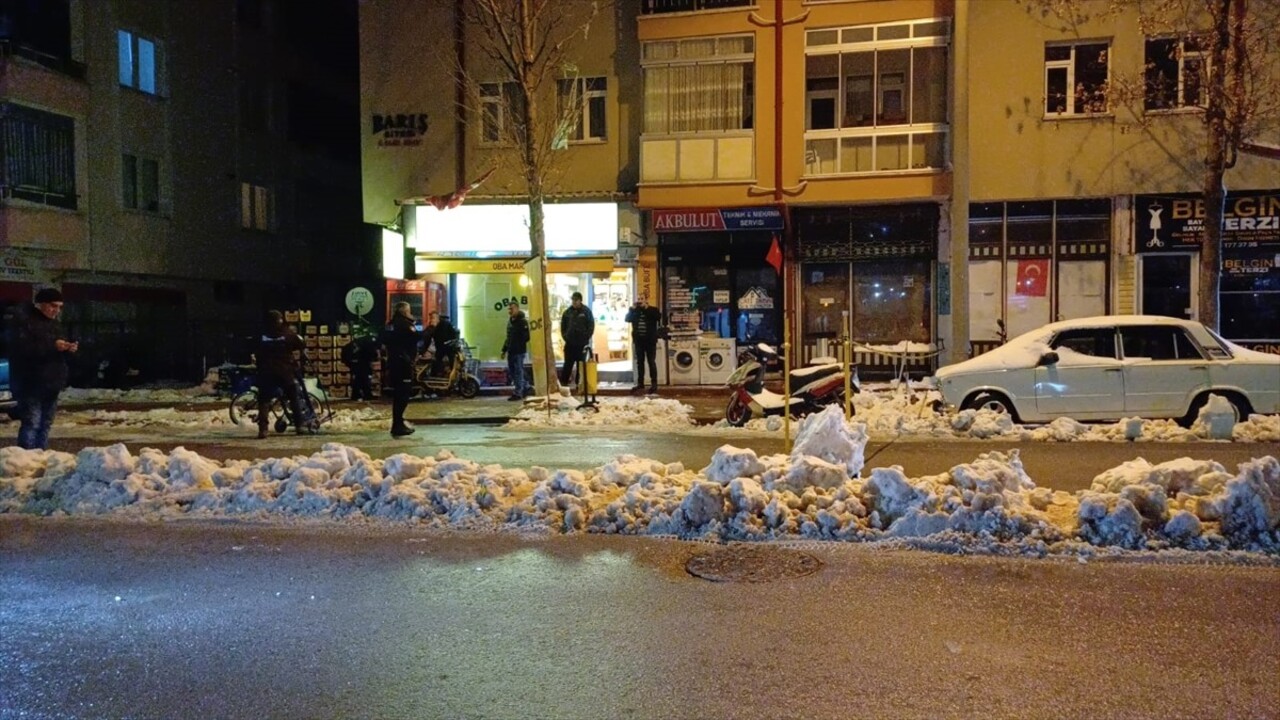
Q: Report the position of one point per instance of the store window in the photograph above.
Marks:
(1032, 263)
(720, 283)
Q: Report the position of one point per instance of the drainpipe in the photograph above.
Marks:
(459, 96)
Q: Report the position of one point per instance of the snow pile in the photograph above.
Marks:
(356, 418)
(195, 393)
(988, 505)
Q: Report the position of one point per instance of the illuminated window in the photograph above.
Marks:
(139, 62)
(257, 207)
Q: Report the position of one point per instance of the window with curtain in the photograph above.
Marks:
(699, 85)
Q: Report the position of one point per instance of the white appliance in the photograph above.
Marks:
(661, 357)
(685, 365)
(718, 357)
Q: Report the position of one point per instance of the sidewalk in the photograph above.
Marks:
(708, 405)
(491, 407)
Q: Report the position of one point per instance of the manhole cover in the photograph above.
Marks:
(751, 564)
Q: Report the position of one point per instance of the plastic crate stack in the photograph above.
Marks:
(324, 345)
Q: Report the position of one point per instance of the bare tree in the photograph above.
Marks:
(528, 44)
(1224, 58)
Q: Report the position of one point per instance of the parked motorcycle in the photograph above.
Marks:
(813, 387)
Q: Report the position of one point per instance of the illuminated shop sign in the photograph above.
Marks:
(756, 218)
(477, 230)
(1176, 222)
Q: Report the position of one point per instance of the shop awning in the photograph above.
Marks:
(594, 264)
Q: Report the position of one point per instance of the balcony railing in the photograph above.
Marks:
(654, 7)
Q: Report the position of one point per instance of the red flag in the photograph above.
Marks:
(455, 198)
(774, 256)
(1033, 278)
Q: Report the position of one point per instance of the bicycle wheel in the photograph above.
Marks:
(310, 414)
(244, 408)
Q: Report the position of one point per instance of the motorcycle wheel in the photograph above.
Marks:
(738, 412)
(468, 386)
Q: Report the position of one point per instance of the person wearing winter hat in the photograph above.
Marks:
(37, 365)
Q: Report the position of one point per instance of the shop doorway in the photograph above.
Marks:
(1169, 285)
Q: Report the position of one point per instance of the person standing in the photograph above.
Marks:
(644, 338)
(278, 372)
(359, 355)
(577, 325)
(401, 339)
(514, 348)
(38, 365)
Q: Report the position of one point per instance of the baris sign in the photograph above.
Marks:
(399, 129)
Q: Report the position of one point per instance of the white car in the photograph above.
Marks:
(1112, 367)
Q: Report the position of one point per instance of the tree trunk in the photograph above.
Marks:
(1216, 162)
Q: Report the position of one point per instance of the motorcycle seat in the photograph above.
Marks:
(770, 400)
(808, 374)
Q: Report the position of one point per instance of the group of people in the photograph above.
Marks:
(38, 366)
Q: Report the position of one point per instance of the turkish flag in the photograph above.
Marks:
(774, 256)
(1033, 278)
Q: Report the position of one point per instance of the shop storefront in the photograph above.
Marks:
(721, 272)
(1168, 231)
(476, 254)
(868, 271)
(1034, 262)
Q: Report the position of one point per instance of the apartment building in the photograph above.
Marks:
(176, 168)
(827, 126)
(1084, 166)
(438, 114)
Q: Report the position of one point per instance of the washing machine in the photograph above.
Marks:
(684, 366)
(718, 358)
(663, 361)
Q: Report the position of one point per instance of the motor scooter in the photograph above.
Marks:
(812, 387)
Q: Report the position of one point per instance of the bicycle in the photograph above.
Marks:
(244, 406)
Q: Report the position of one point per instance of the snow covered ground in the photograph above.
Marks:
(887, 411)
(821, 491)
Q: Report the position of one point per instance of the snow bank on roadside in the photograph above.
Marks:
(354, 418)
(989, 505)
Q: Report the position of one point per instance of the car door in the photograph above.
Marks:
(1087, 382)
(1163, 368)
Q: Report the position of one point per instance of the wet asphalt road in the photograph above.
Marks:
(183, 620)
(1062, 466)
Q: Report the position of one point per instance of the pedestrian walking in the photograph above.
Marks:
(577, 326)
(514, 348)
(278, 372)
(359, 355)
(401, 340)
(37, 365)
(645, 322)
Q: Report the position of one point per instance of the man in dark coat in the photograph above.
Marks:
(514, 348)
(278, 372)
(359, 355)
(37, 366)
(441, 334)
(401, 340)
(577, 325)
(644, 337)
